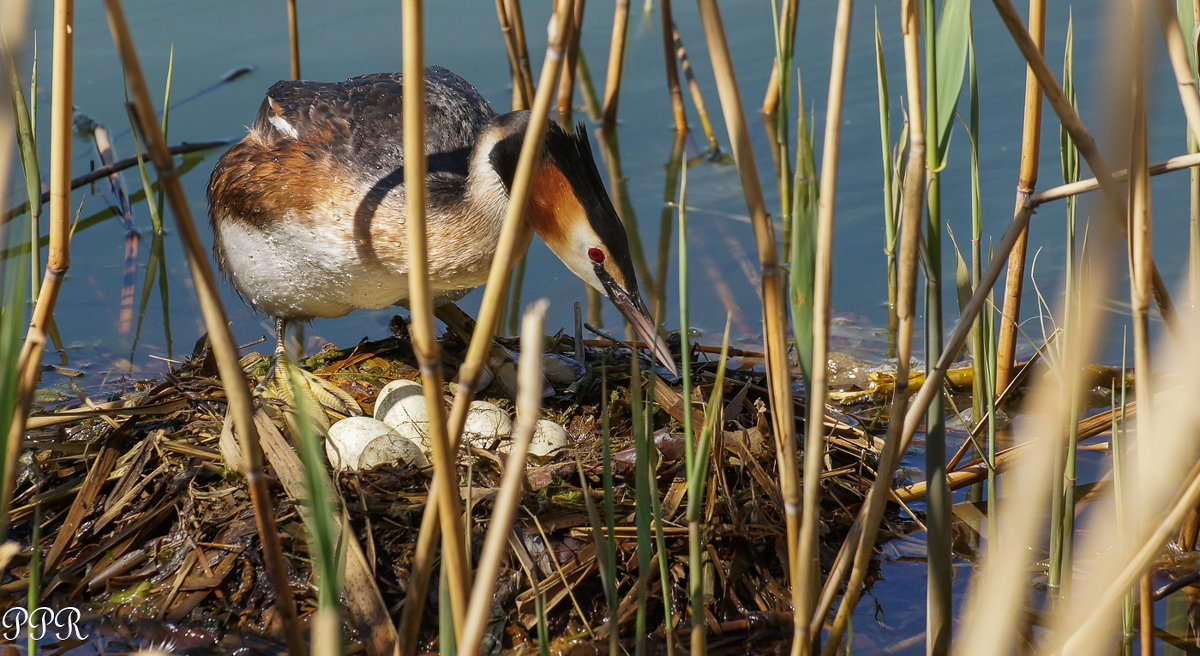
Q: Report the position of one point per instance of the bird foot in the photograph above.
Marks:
(334, 402)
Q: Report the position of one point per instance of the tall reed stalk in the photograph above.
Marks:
(1031, 136)
(489, 312)
(891, 215)
(1183, 60)
(616, 64)
(293, 39)
(1194, 214)
(321, 503)
(1140, 264)
(425, 344)
(26, 130)
(859, 545)
(678, 113)
(1062, 508)
(785, 31)
(508, 12)
(507, 503)
(566, 83)
(59, 254)
(807, 583)
(945, 52)
(233, 380)
(983, 342)
(774, 306)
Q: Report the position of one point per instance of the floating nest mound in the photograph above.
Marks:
(143, 525)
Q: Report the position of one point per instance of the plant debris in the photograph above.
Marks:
(144, 523)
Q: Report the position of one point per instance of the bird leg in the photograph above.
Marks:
(277, 383)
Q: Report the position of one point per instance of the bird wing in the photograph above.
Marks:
(361, 119)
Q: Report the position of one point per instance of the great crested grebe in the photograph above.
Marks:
(308, 209)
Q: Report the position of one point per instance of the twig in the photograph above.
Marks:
(109, 169)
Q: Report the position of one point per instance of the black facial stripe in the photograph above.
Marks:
(572, 154)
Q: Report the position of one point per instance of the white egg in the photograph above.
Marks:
(486, 424)
(402, 402)
(363, 442)
(392, 449)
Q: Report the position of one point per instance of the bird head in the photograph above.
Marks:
(571, 211)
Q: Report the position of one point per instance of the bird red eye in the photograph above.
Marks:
(596, 254)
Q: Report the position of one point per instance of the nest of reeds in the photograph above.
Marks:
(142, 522)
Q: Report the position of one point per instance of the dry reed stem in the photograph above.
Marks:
(566, 82)
(1140, 263)
(59, 253)
(421, 326)
(616, 64)
(489, 310)
(529, 401)
(109, 169)
(1177, 53)
(513, 7)
(223, 347)
(678, 112)
(1031, 136)
(293, 38)
(1071, 122)
(1008, 458)
(992, 627)
(808, 580)
(521, 95)
(860, 541)
(787, 28)
(1177, 163)
(1165, 495)
(774, 303)
(1111, 584)
(694, 88)
(1194, 213)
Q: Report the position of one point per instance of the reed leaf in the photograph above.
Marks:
(890, 218)
(953, 30)
(26, 132)
(806, 197)
(318, 522)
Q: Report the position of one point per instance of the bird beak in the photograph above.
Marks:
(634, 309)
